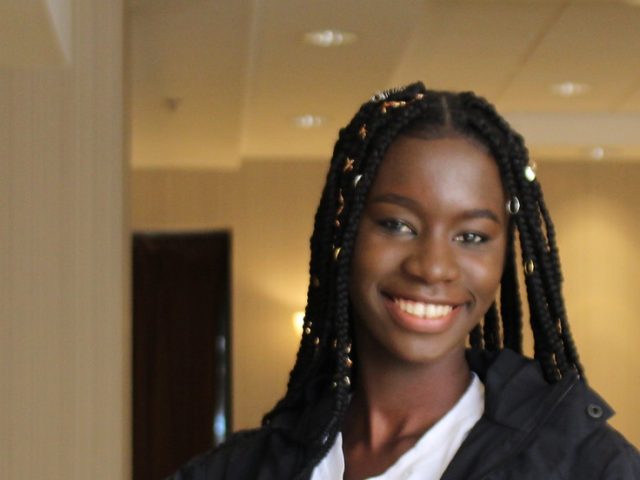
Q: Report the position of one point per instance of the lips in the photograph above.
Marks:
(422, 317)
(423, 310)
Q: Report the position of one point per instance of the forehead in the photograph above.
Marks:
(445, 169)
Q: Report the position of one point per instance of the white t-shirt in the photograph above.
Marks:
(429, 457)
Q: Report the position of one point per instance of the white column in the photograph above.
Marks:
(64, 280)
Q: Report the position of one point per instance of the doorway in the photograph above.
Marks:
(181, 340)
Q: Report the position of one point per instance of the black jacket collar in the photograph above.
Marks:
(516, 396)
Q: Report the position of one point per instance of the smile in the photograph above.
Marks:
(423, 310)
(422, 317)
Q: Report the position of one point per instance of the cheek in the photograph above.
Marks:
(372, 254)
(484, 276)
(374, 262)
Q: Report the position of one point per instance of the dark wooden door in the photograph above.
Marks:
(181, 311)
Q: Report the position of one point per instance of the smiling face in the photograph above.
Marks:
(430, 250)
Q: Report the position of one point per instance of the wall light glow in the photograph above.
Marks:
(597, 153)
(298, 322)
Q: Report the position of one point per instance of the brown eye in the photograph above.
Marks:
(396, 227)
(472, 238)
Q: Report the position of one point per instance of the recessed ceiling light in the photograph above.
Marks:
(570, 89)
(329, 38)
(308, 121)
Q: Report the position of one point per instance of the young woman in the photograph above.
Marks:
(413, 257)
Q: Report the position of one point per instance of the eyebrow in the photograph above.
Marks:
(412, 204)
(481, 213)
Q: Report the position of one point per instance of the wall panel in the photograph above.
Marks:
(64, 380)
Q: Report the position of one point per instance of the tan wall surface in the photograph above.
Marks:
(596, 208)
(269, 207)
(64, 330)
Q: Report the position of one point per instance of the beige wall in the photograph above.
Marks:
(269, 207)
(64, 330)
(596, 208)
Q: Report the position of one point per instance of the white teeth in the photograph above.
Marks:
(423, 310)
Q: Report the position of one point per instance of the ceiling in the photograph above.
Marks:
(215, 83)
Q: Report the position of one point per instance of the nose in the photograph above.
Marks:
(432, 261)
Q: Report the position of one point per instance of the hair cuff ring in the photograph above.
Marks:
(513, 205)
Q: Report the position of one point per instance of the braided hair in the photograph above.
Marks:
(326, 347)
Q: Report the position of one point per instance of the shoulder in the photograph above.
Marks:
(560, 428)
(605, 454)
(269, 453)
(233, 459)
(277, 450)
(576, 425)
(595, 446)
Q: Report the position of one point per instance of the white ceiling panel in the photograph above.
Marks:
(631, 102)
(216, 82)
(291, 78)
(471, 45)
(596, 43)
(188, 62)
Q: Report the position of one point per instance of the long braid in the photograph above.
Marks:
(491, 329)
(510, 305)
(475, 338)
(312, 354)
(557, 301)
(327, 347)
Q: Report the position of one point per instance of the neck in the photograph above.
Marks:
(398, 400)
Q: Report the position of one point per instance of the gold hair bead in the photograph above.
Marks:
(307, 330)
(336, 253)
(316, 341)
(529, 267)
(356, 180)
(348, 165)
(363, 131)
(334, 385)
(348, 349)
(347, 380)
(392, 104)
(334, 343)
(349, 362)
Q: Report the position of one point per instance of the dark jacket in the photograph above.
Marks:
(529, 430)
